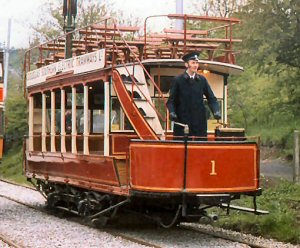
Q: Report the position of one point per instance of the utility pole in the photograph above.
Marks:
(296, 177)
(6, 59)
(69, 13)
(179, 10)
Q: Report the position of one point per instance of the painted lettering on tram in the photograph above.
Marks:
(79, 64)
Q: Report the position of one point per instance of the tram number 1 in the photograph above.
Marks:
(213, 168)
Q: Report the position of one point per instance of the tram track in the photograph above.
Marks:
(9, 242)
(221, 234)
(113, 233)
(198, 228)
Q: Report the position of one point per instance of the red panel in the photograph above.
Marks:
(1, 95)
(221, 167)
(88, 168)
(136, 119)
(120, 142)
(156, 167)
(159, 167)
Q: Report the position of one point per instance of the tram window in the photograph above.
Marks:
(79, 120)
(68, 119)
(79, 99)
(69, 100)
(98, 121)
(115, 114)
(57, 120)
(118, 119)
(164, 84)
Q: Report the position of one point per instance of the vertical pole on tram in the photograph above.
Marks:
(69, 12)
(186, 133)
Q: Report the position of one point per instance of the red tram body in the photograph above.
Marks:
(99, 134)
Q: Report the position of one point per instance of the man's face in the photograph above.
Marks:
(192, 66)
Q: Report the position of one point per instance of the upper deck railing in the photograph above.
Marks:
(212, 36)
(125, 44)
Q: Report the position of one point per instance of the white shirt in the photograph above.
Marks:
(193, 76)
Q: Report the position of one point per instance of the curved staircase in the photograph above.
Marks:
(131, 88)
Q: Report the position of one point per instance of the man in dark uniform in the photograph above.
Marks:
(186, 104)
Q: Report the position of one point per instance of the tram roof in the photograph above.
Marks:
(214, 66)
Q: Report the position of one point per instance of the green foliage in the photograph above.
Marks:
(283, 221)
(11, 165)
(16, 118)
(266, 98)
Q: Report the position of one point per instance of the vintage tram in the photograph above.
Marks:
(100, 138)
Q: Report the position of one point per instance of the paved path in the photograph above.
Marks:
(277, 168)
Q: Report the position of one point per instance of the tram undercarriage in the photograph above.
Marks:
(165, 209)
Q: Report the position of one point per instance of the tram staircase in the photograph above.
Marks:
(133, 92)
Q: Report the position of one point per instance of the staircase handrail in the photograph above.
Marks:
(144, 69)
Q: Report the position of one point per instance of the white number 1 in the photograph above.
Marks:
(213, 168)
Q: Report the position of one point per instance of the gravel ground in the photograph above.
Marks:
(177, 237)
(240, 236)
(32, 232)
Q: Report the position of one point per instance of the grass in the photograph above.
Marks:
(282, 200)
(11, 165)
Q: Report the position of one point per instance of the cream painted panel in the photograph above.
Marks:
(215, 81)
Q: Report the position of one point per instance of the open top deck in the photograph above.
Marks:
(212, 36)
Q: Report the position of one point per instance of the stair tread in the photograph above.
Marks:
(130, 82)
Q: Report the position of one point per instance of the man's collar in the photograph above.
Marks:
(187, 76)
(193, 76)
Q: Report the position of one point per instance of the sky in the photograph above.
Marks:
(24, 13)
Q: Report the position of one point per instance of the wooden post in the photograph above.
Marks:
(44, 122)
(74, 128)
(30, 124)
(86, 120)
(63, 121)
(296, 157)
(53, 119)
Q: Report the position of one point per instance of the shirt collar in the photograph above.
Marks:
(193, 76)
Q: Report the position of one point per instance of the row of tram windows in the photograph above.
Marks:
(48, 129)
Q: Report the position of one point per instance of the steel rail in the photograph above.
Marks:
(9, 242)
(16, 184)
(113, 233)
(223, 235)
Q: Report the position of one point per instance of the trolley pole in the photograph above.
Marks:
(296, 157)
(69, 13)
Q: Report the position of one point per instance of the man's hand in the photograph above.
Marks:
(217, 115)
(173, 116)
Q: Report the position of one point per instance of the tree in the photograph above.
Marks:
(224, 8)
(270, 52)
(51, 21)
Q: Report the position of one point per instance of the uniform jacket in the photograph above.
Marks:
(186, 100)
